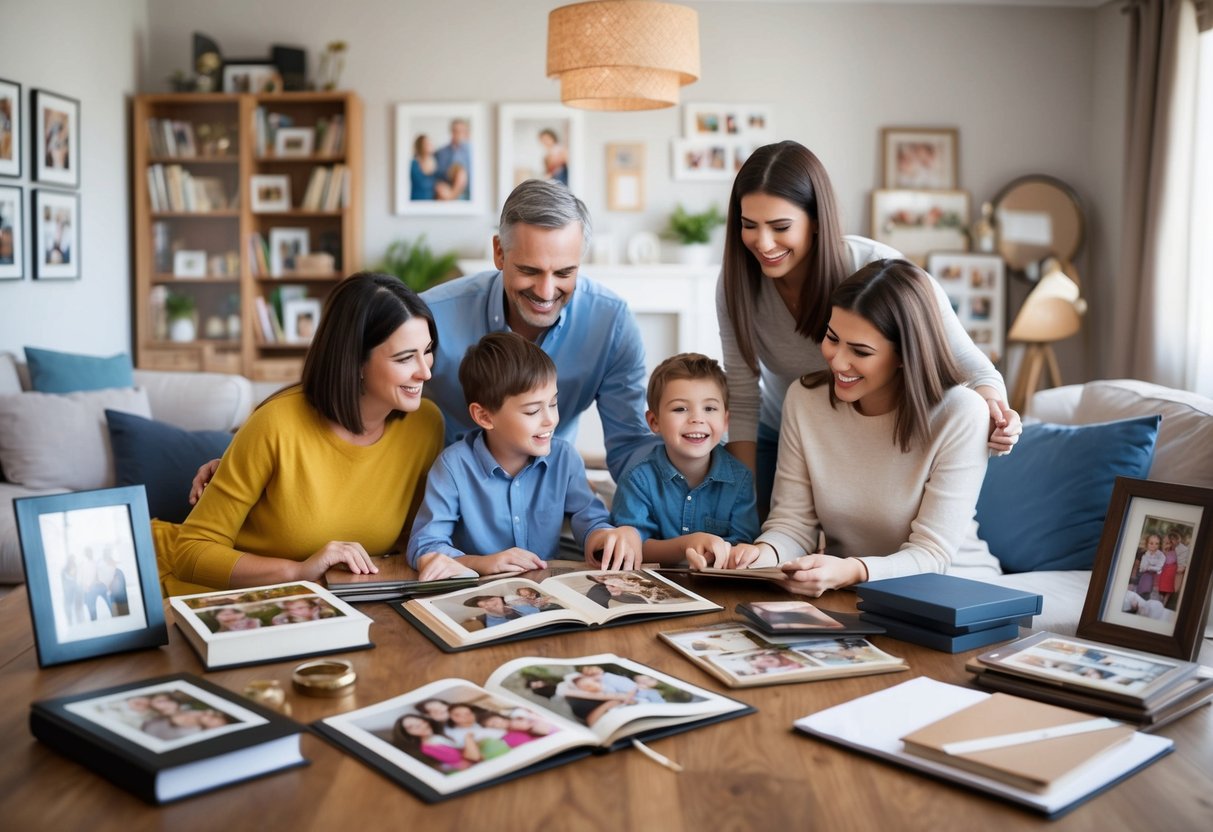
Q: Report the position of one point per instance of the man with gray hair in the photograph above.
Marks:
(587, 330)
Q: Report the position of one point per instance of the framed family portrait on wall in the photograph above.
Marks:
(920, 158)
(539, 141)
(976, 286)
(442, 159)
(919, 222)
(1151, 581)
(56, 139)
(91, 573)
(625, 176)
(56, 235)
(11, 128)
(12, 233)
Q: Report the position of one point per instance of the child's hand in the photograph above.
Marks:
(814, 574)
(749, 555)
(620, 548)
(436, 566)
(704, 550)
(511, 560)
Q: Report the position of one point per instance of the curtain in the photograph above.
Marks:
(1152, 294)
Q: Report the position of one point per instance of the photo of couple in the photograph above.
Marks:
(164, 717)
(585, 693)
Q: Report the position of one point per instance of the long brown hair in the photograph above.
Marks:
(896, 297)
(790, 171)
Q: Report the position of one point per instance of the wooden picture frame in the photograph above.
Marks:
(55, 138)
(625, 176)
(90, 549)
(11, 128)
(56, 235)
(539, 141)
(1144, 595)
(12, 232)
(919, 222)
(976, 285)
(454, 137)
(920, 158)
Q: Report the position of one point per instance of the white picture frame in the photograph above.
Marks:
(300, 317)
(706, 120)
(294, 142)
(539, 141)
(286, 245)
(709, 160)
(420, 192)
(56, 237)
(919, 222)
(250, 77)
(189, 263)
(12, 232)
(270, 193)
(976, 285)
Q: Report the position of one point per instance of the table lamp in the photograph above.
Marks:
(1051, 312)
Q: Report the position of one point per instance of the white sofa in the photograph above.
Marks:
(193, 401)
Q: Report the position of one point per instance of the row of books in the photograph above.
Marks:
(173, 188)
(327, 189)
(271, 314)
(168, 138)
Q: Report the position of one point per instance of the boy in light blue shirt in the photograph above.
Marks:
(496, 500)
(689, 498)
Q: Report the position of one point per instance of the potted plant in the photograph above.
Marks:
(415, 265)
(180, 309)
(694, 232)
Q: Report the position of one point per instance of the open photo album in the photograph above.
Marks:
(741, 657)
(454, 736)
(508, 609)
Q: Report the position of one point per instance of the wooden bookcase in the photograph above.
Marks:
(223, 130)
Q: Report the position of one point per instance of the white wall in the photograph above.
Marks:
(89, 51)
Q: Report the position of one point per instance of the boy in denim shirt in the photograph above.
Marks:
(689, 498)
(495, 501)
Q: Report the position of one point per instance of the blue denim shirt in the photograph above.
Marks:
(594, 343)
(654, 498)
(473, 507)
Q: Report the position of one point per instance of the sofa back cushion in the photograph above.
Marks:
(67, 372)
(1043, 505)
(10, 381)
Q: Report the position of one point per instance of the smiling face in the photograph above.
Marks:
(463, 716)
(865, 364)
(393, 374)
(522, 427)
(1153, 542)
(778, 233)
(690, 418)
(540, 274)
(493, 605)
(415, 726)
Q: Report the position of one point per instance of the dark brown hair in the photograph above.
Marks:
(896, 297)
(790, 171)
(500, 365)
(689, 365)
(360, 314)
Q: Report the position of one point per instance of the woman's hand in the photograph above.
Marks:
(620, 548)
(704, 550)
(435, 566)
(814, 574)
(205, 474)
(337, 552)
(751, 556)
(1005, 424)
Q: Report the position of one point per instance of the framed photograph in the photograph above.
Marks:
(251, 76)
(56, 139)
(10, 128)
(91, 573)
(294, 141)
(625, 176)
(920, 158)
(1150, 585)
(189, 263)
(56, 235)
(442, 159)
(287, 245)
(270, 193)
(300, 317)
(918, 222)
(539, 141)
(714, 121)
(12, 233)
(976, 284)
(707, 160)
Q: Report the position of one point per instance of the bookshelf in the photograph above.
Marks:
(198, 224)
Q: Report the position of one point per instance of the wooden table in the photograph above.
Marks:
(748, 773)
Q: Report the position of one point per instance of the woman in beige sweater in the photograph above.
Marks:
(884, 451)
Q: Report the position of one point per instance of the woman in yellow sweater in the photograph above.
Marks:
(329, 471)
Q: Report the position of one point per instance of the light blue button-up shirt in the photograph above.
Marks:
(595, 344)
(473, 507)
(655, 498)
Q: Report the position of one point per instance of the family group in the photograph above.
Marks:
(166, 715)
(455, 736)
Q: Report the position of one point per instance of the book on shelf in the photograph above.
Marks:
(265, 330)
(330, 135)
(1026, 744)
(313, 194)
(950, 600)
(395, 579)
(945, 642)
(803, 618)
(875, 724)
(453, 736)
(170, 737)
(509, 609)
(269, 624)
(741, 657)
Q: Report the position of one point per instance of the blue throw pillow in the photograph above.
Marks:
(65, 372)
(163, 458)
(1043, 505)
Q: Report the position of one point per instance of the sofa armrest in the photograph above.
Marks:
(197, 401)
(1058, 405)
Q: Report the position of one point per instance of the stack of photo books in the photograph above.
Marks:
(509, 609)
(1142, 688)
(452, 736)
(946, 613)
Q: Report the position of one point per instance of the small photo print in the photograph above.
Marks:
(841, 652)
(278, 613)
(247, 597)
(164, 717)
(1099, 667)
(617, 589)
(482, 607)
(793, 615)
(1159, 567)
(769, 662)
(723, 638)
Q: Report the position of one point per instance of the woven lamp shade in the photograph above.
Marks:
(623, 54)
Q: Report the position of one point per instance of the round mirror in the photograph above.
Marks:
(1037, 216)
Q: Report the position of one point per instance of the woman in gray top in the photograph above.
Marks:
(784, 253)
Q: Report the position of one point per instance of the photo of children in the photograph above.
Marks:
(1160, 565)
(276, 613)
(489, 606)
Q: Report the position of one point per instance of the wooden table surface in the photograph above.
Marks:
(746, 774)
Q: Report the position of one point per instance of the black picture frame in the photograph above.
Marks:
(12, 240)
(1168, 616)
(64, 576)
(55, 139)
(11, 128)
(55, 252)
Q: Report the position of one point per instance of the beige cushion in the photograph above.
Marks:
(1184, 453)
(10, 382)
(60, 441)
